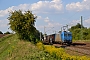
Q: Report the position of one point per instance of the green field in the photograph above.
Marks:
(11, 48)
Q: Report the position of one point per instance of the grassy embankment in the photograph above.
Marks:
(11, 48)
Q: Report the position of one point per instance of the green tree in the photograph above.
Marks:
(77, 26)
(36, 36)
(7, 32)
(23, 24)
(1, 32)
(77, 31)
(88, 34)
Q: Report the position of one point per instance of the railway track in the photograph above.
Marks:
(79, 50)
(82, 48)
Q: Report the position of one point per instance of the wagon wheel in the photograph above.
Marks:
(62, 43)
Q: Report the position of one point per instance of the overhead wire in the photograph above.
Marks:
(77, 12)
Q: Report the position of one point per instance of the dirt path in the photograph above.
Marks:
(1, 35)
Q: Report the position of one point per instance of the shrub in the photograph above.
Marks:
(1, 32)
(59, 53)
(7, 32)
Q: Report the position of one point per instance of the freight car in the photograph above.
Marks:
(62, 37)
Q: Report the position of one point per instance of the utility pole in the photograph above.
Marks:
(40, 35)
(67, 27)
(44, 34)
(81, 29)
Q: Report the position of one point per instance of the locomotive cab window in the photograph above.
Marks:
(69, 34)
(65, 34)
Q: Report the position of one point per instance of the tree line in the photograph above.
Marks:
(5, 32)
(79, 33)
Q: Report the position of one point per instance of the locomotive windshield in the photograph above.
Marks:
(65, 34)
(69, 35)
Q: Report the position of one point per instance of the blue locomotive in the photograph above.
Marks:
(62, 37)
(66, 37)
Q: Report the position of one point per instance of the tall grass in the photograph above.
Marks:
(11, 48)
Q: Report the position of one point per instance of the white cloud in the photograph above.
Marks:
(53, 24)
(6, 12)
(3, 23)
(50, 23)
(52, 27)
(79, 6)
(47, 6)
(74, 22)
(46, 19)
(55, 4)
(87, 21)
(39, 17)
(38, 7)
(46, 22)
(3, 12)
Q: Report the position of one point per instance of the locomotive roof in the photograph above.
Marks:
(66, 32)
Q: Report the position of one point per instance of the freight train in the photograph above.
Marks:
(64, 37)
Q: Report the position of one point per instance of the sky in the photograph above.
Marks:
(51, 14)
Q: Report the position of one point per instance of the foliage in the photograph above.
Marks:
(79, 33)
(59, 53)
(77, 26)
(40, 45)
(7, 32)
(22, 24)
(1, 32)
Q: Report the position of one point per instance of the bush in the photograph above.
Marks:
(22, 23)
(7, 32)
(59, 53)
(1, 32)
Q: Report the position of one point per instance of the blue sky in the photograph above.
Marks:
(51, 13)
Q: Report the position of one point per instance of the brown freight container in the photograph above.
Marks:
(57, 38)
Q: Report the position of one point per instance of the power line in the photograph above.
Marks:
(77, 12)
